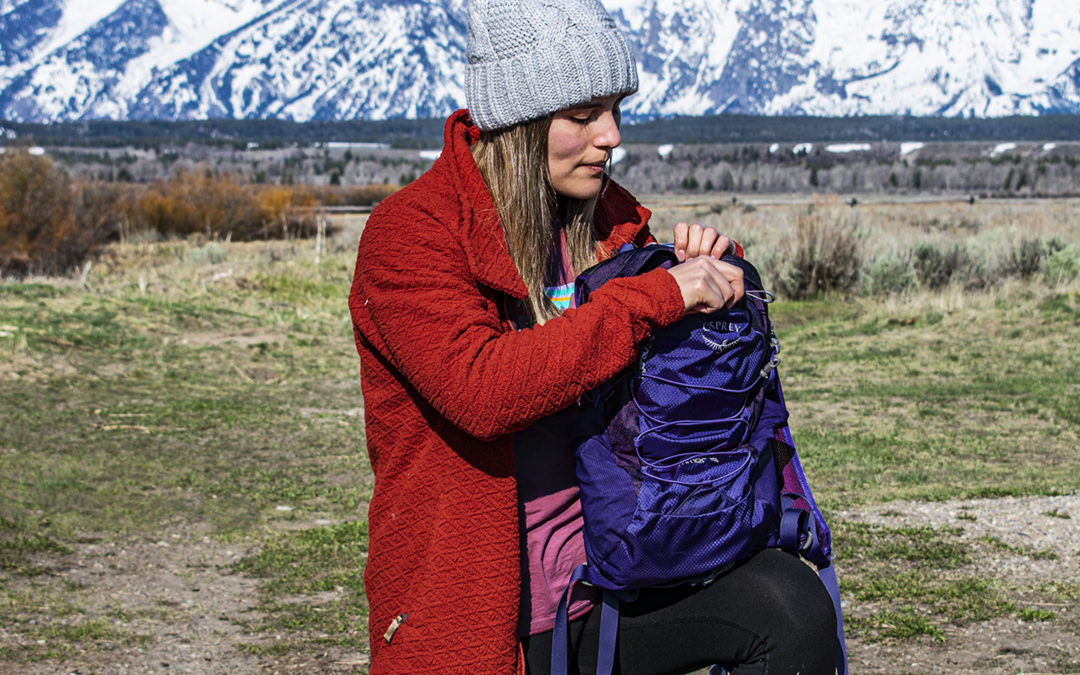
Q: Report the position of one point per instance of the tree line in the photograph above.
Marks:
(427, 133)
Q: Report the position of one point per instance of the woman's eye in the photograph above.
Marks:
(585, 117)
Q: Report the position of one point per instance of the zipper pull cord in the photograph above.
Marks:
(394, 625)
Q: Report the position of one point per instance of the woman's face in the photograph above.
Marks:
(580, 142)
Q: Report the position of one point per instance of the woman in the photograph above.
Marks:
(471, 367)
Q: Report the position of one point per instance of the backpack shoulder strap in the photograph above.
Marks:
(609, 630)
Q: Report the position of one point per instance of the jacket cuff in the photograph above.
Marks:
(669, 297)
(652, 300)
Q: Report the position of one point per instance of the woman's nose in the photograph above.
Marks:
(607, 132)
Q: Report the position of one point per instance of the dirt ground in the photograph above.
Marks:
(1005, 645)
(178, 593)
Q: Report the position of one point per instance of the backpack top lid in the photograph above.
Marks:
(631, 261)
(698, 381)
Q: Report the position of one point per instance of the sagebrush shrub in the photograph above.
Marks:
(210, 253)
(1025, 259)
(1062, 265)
(889, 274)
(824, 258)
(936, 267)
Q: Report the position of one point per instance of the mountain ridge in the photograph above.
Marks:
(384, 59)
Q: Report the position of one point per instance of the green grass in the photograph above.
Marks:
(901, 401)
(18, 542)
(230, 412)
(902, 623)
(66, 630)
(230, 408)
(913, 582)
(1030, 614)
(326, 560)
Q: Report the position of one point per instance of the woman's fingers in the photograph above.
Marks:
(692, 240)
(693, 244)
(681, 238)
(707, 240)
(734, 276)
(722, 246)
(708, 284)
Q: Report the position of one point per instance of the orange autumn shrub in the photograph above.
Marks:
(50, 224)
(219, 207)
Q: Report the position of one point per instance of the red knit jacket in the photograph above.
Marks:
(446, 382)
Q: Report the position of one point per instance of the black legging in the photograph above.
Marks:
(770, 615)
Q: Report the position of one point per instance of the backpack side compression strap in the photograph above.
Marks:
(560, 634)
(609, 634)
(828, 577)
(609, 630)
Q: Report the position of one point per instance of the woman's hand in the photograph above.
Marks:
(694, 240)
(708, 284)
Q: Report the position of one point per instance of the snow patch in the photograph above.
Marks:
(803, 148)
(774, 148)
(911, 146)
(197, 23)
(1047, 147)
(1002, 147)
(617, 155)
(356, 145)
(664, 151)
(79, 16)
(430, 155)
(841, 148)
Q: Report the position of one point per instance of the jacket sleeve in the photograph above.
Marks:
(416, 301)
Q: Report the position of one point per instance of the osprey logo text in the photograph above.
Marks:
(728, 338)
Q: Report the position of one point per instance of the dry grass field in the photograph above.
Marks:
(183, 483)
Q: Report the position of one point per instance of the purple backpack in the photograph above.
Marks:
(685, 461)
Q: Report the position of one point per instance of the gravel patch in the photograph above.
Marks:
(1029, 523)
(1028, 529)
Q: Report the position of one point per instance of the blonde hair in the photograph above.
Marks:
(513, 162)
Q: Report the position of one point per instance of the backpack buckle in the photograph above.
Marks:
(769, 367)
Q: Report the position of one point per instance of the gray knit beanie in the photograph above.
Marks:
(530, 58)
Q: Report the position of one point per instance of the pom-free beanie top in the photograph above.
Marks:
(527, 59)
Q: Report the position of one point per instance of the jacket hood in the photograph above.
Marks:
(619, 217)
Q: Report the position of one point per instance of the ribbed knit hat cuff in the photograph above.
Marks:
(491, 105)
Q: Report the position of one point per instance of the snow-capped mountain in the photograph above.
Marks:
(376, 59)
